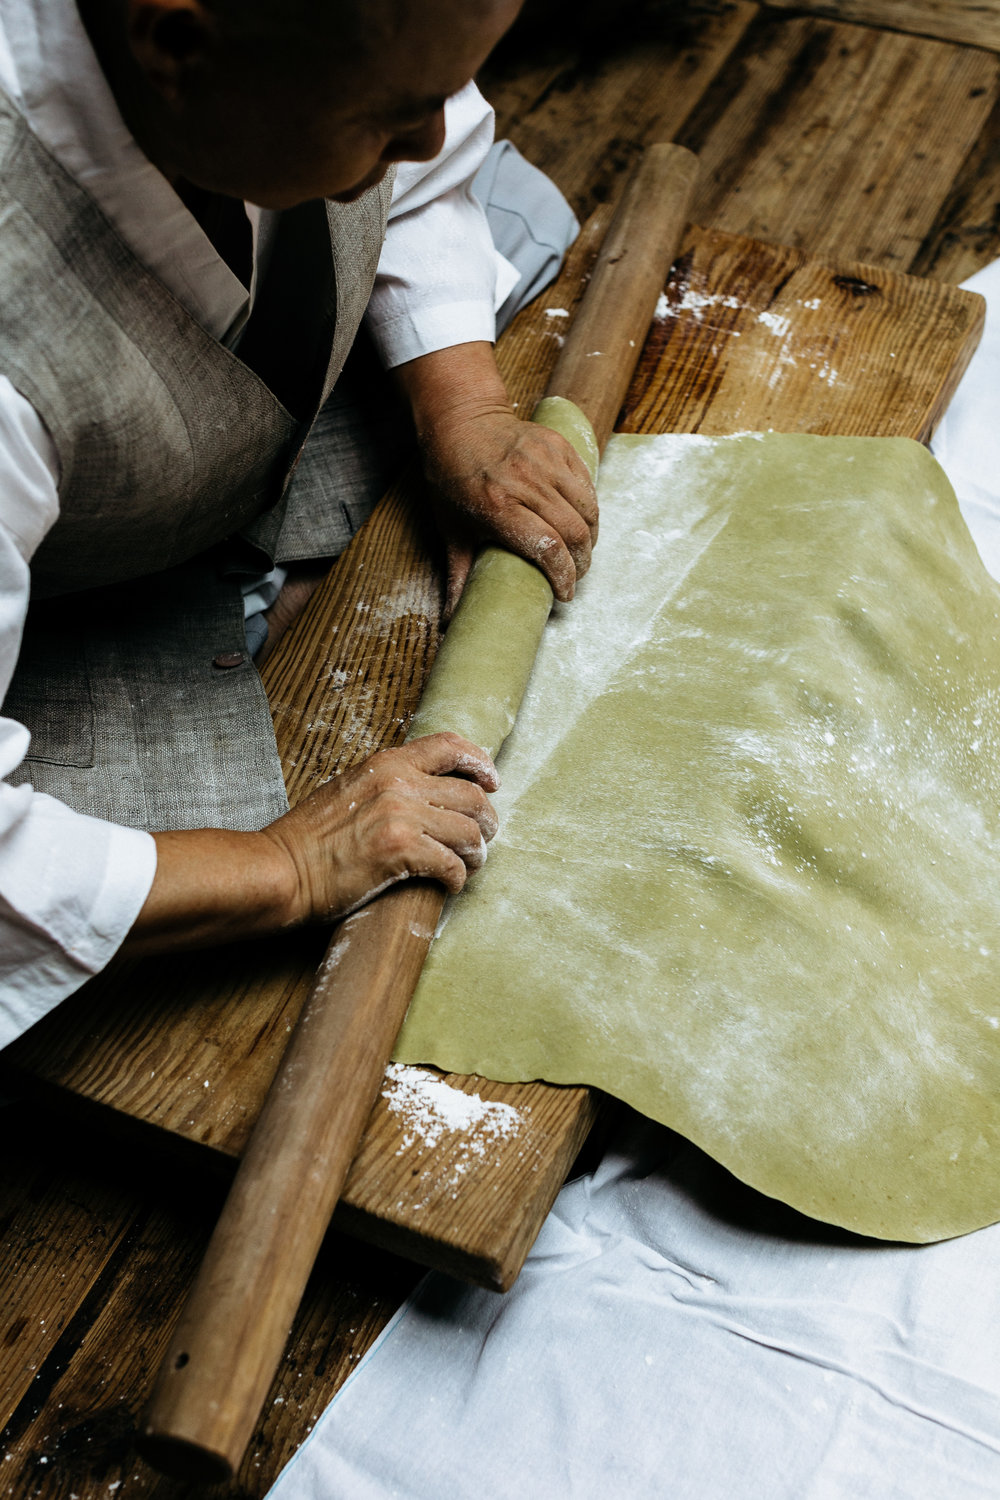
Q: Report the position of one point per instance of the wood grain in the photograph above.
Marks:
(965, 236)
(69, 1430)
(583, 105)
(771, 338)
(975, 22)
(53, 1250)
(838, 140)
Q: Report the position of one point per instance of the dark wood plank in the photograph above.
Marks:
(965, 237)
(974, 22)
(581, 99)
(69, 1430)
(838, 140)
(54, 1248)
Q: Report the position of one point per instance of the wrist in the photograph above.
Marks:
(215, 886)
(453, 386)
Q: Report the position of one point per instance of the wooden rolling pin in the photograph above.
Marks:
(235, 1324)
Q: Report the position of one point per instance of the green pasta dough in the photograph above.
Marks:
(748, 872)
(485, 660)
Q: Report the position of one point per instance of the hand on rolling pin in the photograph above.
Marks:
(419, 810)
(496, 478)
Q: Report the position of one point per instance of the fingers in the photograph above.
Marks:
(458, 836)
(447, 754)
(579, 488)
(431, 807)
(554, 518)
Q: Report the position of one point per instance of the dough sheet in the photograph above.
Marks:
(748, 872)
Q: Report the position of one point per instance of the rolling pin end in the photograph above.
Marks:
(179, 1459)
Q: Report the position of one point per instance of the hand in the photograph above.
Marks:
(498, 479)
(495, 477)
(417, 810)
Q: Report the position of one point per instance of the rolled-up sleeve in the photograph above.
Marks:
(440, 278)
(70, 886)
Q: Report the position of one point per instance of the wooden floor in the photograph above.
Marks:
(866, 129)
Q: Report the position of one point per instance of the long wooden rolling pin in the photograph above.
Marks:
(233, 1330)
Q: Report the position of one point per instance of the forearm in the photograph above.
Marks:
(213, 886)
(451, 386)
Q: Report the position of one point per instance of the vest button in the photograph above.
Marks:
(227, 659)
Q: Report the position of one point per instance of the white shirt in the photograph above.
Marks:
(71, 886)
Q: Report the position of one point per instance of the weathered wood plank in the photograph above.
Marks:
(586, 108)
(974, 22)
(771, 337)
(53, 1250)
(837, 139)
(69, 1432)
(966, 234)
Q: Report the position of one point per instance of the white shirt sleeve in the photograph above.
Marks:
(440, 277)
(70, 886)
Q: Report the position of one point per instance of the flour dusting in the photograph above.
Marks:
(428, 1107)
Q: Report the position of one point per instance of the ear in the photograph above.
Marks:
(168, 39)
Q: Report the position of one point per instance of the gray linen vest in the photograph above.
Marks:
(168, 443)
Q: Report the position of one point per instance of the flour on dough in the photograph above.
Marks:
(748, 872)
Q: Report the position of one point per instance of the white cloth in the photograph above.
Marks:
(967, 442)
(675, 1335)
(71, 887)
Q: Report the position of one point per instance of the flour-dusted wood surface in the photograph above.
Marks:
(754, 336)
(101, 1243)
(975, 22)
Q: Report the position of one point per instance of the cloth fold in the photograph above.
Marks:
(675, 1334)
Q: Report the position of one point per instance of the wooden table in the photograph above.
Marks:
(845, 141)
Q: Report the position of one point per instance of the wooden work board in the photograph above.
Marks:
(180, 1051)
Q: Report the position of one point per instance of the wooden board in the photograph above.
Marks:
(835, 138)
(769, 337)
(974, 22)
(795, 146)
(749, 335)
(632, 83)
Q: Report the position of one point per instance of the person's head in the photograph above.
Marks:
(278, 101)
